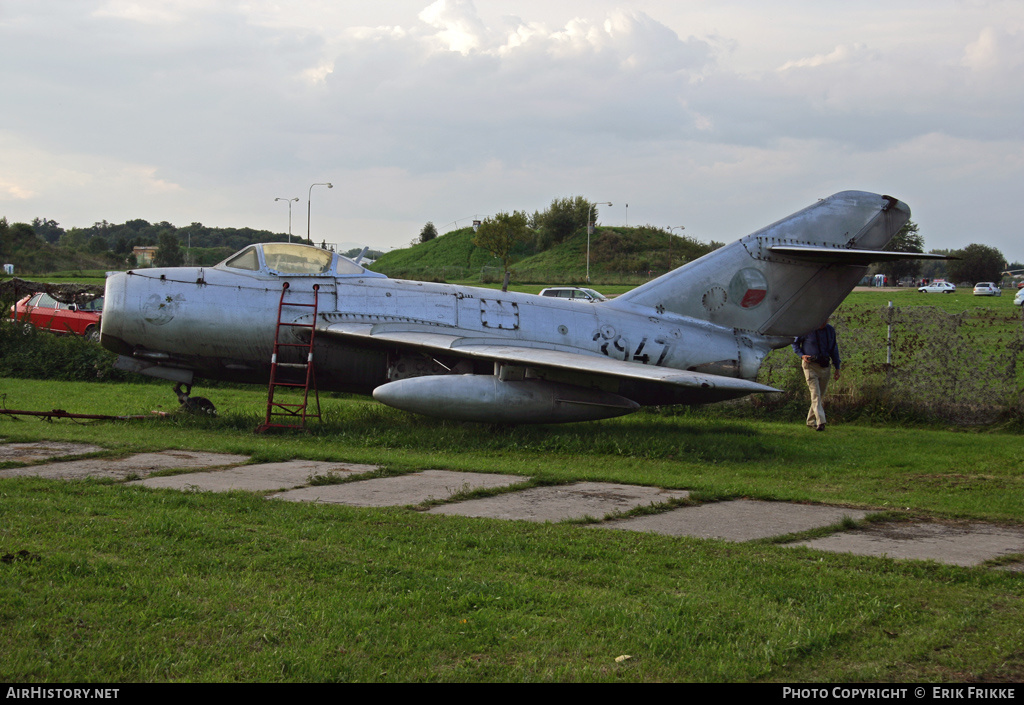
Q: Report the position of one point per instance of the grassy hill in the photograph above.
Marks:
(618, 255)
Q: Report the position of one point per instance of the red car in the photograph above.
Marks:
(44, 312)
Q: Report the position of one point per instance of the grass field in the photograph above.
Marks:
(134, 584)
(129, 584)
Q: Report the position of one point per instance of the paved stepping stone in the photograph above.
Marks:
(258, 478)
(141, 464)
(583, 499)
(43, 450)
(955, 544)
(401, 490)
(738, 520)
(965, 544)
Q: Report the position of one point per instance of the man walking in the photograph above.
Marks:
(818, 351)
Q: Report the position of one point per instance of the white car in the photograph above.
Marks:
(1018, 300)
(987, 289)
(938, 288)
(576, 293)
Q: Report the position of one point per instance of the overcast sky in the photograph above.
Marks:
(721, 116)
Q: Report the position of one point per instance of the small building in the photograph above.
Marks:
(145, 254)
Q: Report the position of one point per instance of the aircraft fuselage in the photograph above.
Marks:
(220, 325)
(695, 335)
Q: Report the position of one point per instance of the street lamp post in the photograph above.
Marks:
(289, 214)
(674, 227)
(309, 206)
(589, 215)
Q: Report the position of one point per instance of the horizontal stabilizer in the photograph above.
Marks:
(841, 255)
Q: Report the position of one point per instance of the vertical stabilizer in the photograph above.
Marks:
(748, 286)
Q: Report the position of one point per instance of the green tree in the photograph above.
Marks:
(428, 233)
(74, 239)
(908, 239)
(935, 269)
(563, 218)
(499, 235)
(370, 254)
(49, 230)
(97, 245)
(977, 263)
(168, 253)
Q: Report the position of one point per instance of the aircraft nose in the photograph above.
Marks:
(113, 321)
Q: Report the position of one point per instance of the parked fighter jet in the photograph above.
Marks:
(695, 335)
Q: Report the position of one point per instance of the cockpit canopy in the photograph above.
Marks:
(291, 259)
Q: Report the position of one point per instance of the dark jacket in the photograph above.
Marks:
(819, 344)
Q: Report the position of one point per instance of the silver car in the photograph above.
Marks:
(938, 288)
(987, 289)
(576, 293)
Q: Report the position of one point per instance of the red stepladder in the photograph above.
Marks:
(292, 374)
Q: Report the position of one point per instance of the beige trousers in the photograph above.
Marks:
(817, 382)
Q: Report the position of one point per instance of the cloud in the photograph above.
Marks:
(13, 191)
(841, 54)
(417, 110)
(62, 181)
(995, 51)
(509, 91)
(458, 28)
(150, 12)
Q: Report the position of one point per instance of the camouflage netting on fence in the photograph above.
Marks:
(14, 289)
(956, 367)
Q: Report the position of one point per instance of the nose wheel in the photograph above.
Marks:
(191, 404)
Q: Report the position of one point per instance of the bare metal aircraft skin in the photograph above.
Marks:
(695, 335)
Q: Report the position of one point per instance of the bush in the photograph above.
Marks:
(42, 355)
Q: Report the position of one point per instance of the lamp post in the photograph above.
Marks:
(674, 227)
(589, 215)
(309, 206)
(289, 214)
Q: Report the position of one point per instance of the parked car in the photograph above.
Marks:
(576, 293)
(42, 311)
(1018, 300)
(987, 289)
(938, 288)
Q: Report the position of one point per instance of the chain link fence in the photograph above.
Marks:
(919, 361)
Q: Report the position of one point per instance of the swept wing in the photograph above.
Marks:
(388, 335)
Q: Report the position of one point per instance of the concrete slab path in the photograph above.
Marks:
(400, 490)
(43, 450)
(562, 502)
(953, 544)
(258, 478)
(964, 544)
(739, 520)
(141, 464)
